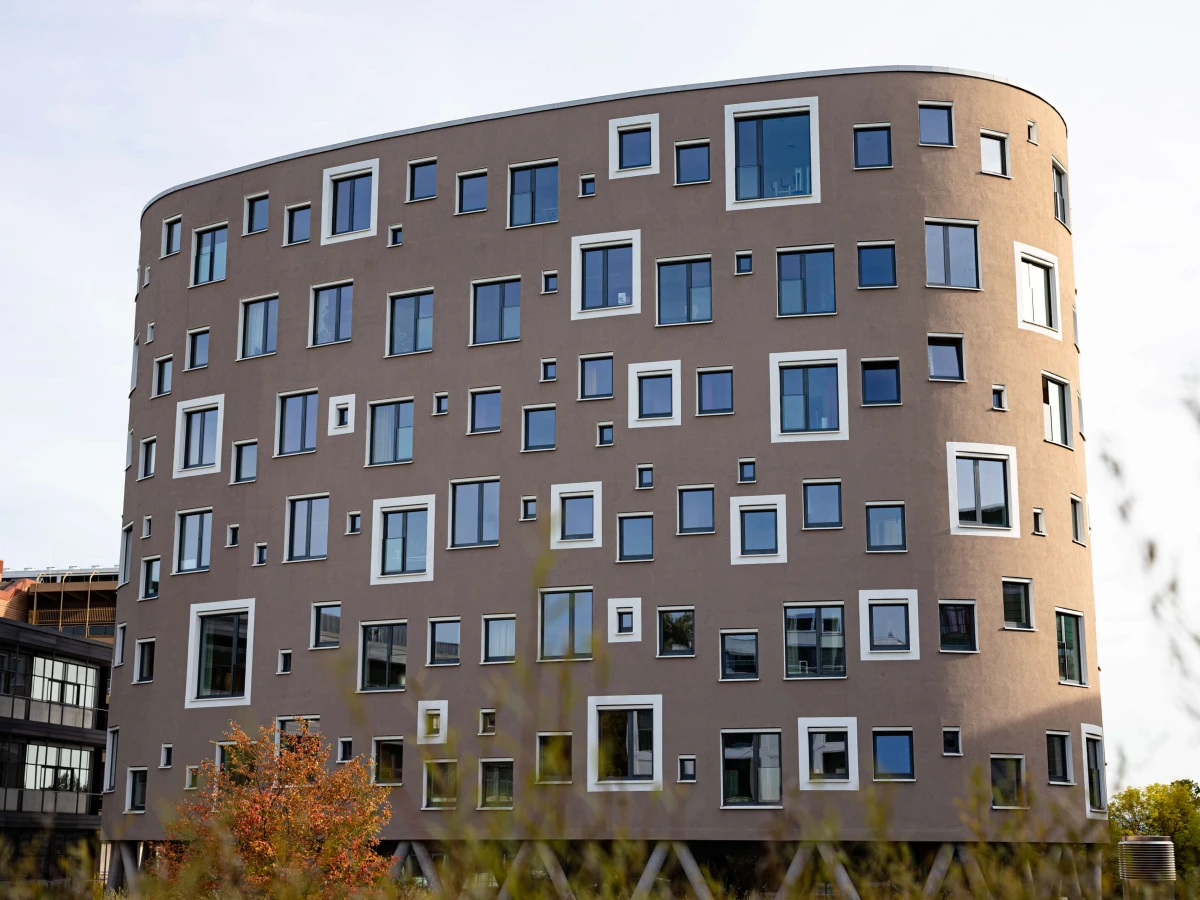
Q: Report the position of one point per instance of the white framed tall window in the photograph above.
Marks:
(772, 153)
(1038, 304)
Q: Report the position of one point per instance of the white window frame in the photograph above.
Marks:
(189, 363)
(181, 409)
(1066, 399)
(137, 661)
(679, 779)
(241, 335)
(398, 504)
(849, 724)
(734, 111)
(533, 407)
(390, 738)
(442, 708)
(758, 501)
(974, 624)
(632, 123)
(192, 283)
(1084, 680)
(939, 104)
(129, 770)
(255, 560)
(163, 254)
(187, 778)
(408, 179)
(957, 730)
(1006, 150)
(458, 177)
(287, 222)
(697, 142)
(246, 212)
(1039, 512)
(336, 173)
(231, 531)
(1028, 582)
(118, 656)
(1081, 538)
(279, 670)
(577, 489)
(1024, 779)
(196, 611)
(1097, 733)
(1060, 169)
(1031, 132)
(346, 400)
(1070, 760)
(780, 361)
(672, 367)
(1027, 252)
(615, 605)
(142, 576)
(955, 449)
(653, 702)
(345, 742)
(582, 242)
(123, 576)
(905, 596)
(162, 756)
(147, 526)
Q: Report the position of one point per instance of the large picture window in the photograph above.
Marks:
(751, 769)
(222, 656)
(773, 156)
(384, 656)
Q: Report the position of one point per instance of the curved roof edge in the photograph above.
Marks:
(761, 79)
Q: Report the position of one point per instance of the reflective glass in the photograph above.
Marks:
(872, 148)
(893, 754)
(759, 531)
(485, 411)
(635, 148)
(637, 537)
(936, 125)
(889, 626)
(880, 383)
(691, 164)
(472, 193)
(885, 528)
(877, 266)
(424, 181)
(539, 429)
(822, 505)
(654, 396)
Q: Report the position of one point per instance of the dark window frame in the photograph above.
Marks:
(809, 524)
(906, 647)
(693, 145)
(755, 768)
(622, 555)
(318, 639)
(356, 183)
(757, 119)
(460, 179)
(642, 378)
(976, 489)
(488, 621)
(252, 208)
(502, 305)
(270, 327)
(671, 611)
(343, 298)
(388, 662)
(807, 394)
(190, 416)
(404, 539)
(294, 504)
(871, 129)
(474, 399)
(604, 251)
(434, 627)
(308, 398)
(891, 248)
(774, 550)
(956, 342)
(911, 774)
(690, 274)
(880, 365)
(945, 227)
(888, 548)
(533, 194)
(803, 256)
(631, 131)
(396, 438)
(206, 250)
(415, 169)
(819, 633)
(583, 364)
(681, 527)
(952, 622)
(728, 674)
(240, 620)
(572, 603)
(701, 374)
(525, 430)
(480, 512)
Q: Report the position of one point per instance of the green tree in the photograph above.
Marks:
(1171, 810)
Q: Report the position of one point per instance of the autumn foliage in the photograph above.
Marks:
(277, 819)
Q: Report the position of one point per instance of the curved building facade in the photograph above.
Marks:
(686, 464)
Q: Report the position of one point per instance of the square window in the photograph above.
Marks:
(654, 396)
(982, 492)
(743, 263)
(540, 429)
(554, 759)
(297, 423)
(691, 163)
(257, 215)
(298, 222)
(476, 514)
(877, 266)
(993, 149)
(957, 625)
(384, 662)
(345, 751)
(171, 233)
(828, 755)
(528, 508)
(684, 292)
(714, 392)
(607, 277)
(496, 784)
(626, 744)
(485, 411)
(873, 147)
(759, 532)
(645, 477)
(946, 359)
(808, 398)
(587, 186)
(806, 283)
(687, 769)
(624, 621)
(999, 397)
(604, 434)
(881, 382)
(496, 312)
(353, 523)
(389, 760)
(747, 471)
(823, 504)
(259, 323)
(351, 207)
(814, 641)
(636, 538)
(751, 769)
(441, 404)
(885, 528)
(951, 255)
(893, 755)
(595, 377)
(197, 357)
(549, 370)
(951, 742)
(245, 466)
(487, 721)
(566, 625)
(327, 625)
(1058, 757)
(634, 148)
(534, 195)
(676, 632)
(889, 626)
(696, 511)
(499, 640)
(422, 180)
(472, 192)
(1008, 782)
(411, 324)
(773, 156)
(395, 235)
(209, 264)
(936, 125)
(739, 655)
(549, 282)
(445, 640)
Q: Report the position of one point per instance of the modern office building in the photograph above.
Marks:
(76, 601)
(684, 464)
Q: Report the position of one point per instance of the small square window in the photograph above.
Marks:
(739, 656)
(485, 411)
(587, 186)
(634, 148)
(549, 282)
(993, 150)
(624, 621)
(395, 235)
(885, 528)
(298, 219)
(881, 382)
(687, 769)
(877, 266)
(645, 477)
(353, 523)
(999, 397)
(888, 626)
(260, 554)
(691, 163)
(604, 434)
(951, 742)
(823, 505)
(760, 532)
(937, 125)
(714, 393)
(635, 538)
(487, 721)
(257, 214)
(285, 663)
(441, 404)
(1039, 521)
(747, 471)
(345, 749)
(422, 180)
(696, 511)
(327, 625)
(232, 536)
(549, 370)
(528, 509)
(743, 263)
(946, 359)
(472, 192)
(873, 147)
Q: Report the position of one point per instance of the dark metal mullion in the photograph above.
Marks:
(755, 786)
(758, 157)
(948, 279)
(604, 277)
(803, 257)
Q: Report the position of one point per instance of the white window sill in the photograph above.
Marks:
(1064, 784)
(691, 533)
(167, 255)
(378, 690)
(537, 449)
(1075, 684)
(708, 415)
(951, 147)
(690, 183)
(816, 315)
(577, 659)
(823, 528)
(494, 808)
(753, 806)
(900, 780)
(604, 397)
(135, 812)
(951, 287)
(873, 405)
(205, 283)
(967, 652)
(185, 572)
(441, 665)
(691, 655)
(255, 356)
(406, 352)
(870, 168)
(497, 662)
(293, 453)
(329, 343)
(869, 550)
(420, 199)
(310, 559)
(678, 324)
(651, 559)
(492, 343)
(470, 212)
(1017, 628)
(878, 287)
(815, 677)
(735, 680)
(471, 546)
(295, 243)
(330, 647)
(511, 227)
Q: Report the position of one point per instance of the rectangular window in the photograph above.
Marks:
(149, 457)
(124, 573)
(445, 642)
(808, 398)
(759, 532)
(655, 396)
(539, 428)
(391, 432)
(893, 755)
(308, 532)
(1061, 205)
(259, 319)
(1078, 523)
(150, 576)
(389, 761)
(136, 801)
(384, 656)
(412, 324)
(936, 125)
(1095, 771)
(197, 355)
(607, 277)
(684, 292)
(245, 466)
(1058, 757)
(476, 514)
(687, 769)
(162, 376)
(881, 382)
(1018, 611)
(595, 377)
(496, 784)
(422, 180)
(200, 438)
(119, 646)
(888, 626)
(885, 527)
(577, 518)
(487, 721)
(626, 744)
(814, 640)
(298, 222)
(566, 624)
(696, 511)
(298, 423)
(676, 632)
(395, 235)
(534, 197)
(327, 625)
(951, 742)
(210, 255)
(604, 434)
(823, 504)
(747, 471)
(499, 640)
(1069, 629)
(806, 283)
(1008, 782)
(1056, 411)
(946, 359)
(982, 492)
(739, 655)
(333, 309)
(222, 657)
(743, 263)
(257, 217)
(873, 147)
(528, 509)
(999, 397)
(195, 541)
(714, 392)
(993, 149)
(497, 312)
(260, 554)
(773, 156)
(751, 769)
(877, 266)
(554, 758)
(951, 255)
(636, 538)
(171, 235)
(957, 624)
(352, 204)
(405, 534)
(145, 661)
(472, 192)
(828, 755)
(691, 163)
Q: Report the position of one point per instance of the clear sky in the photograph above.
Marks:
(103, 104)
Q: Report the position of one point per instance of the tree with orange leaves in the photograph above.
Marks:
(275, 818)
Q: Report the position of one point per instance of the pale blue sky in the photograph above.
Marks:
(106, 103)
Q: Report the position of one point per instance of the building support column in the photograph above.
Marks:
(399, 857)
(1095, 874)
(421, 852)
(684, 854)
(1073, 889)
(555, 870)
(129, 865)
(115, 868)
(1048, 879)
(937, 873)
(974, 874)
(795, 871)
(840, 876)
(653, 866)
(513, 878)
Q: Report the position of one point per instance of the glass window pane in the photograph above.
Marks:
(935, 125)
(872, 147)
(597, 377)
(677, 632)
(822, 505)
(877, 266)
(634, 148)
(539, 429)
(828, 756)
(935, 254)
(654, 396)
(819, 289)
(424, 181)
(472, 194)
(739, 656)
(556, 625)
(298, 227)
(444, 642)
(672, 293)
(893, 755)
(889, 626)
(759, 531)
(880, 382)
(945, 359)
(619, 274)
(696, 510)
(691, 164)
(715, 392)
(546, 194)
(961, 252)
(485, 411)
(582, 622)
(885, 528)
(501, 639)
(957, 625)
(577, 518)
(637, 537)
(992, 153)
(785, 166)
(822, 398)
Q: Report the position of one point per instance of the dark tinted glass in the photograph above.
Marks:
(472, 193)
(424, 181)
(872, 147)
(199, 350)
(773, 157)
(945, 359)
(247, 462)
(950, 257)
(327, 626)
(822, 505)
(587, 187)
(877, 266)
(554, 757)
(885, 528)
(691, 164)
(808, 398)
(893, 754)
(715, 392)
(605, 435)
(333, 312)
(257, 214)
(385, 656)
(637, 537)
(607, 277)
(1016, 605)
(645, 477)
(210, 255)
(815, 642)
(654, 396)
(739, 656)
(172, 237)
(936, 125)
(298, 224)
(696, 510)
(957, 624)
(539, 429)
(759, 531)
(444, 643)
(828, 756)
(308, 537)
(1057, 758)
(596, 377)
(635, 148)
(298, 423)
(951, 742)
(881, 382)
(485, 411)
(222, 656)
(744, 264)
(500, 637)
(391, 432)
(405, 536)
(746, 471)
(497, 312)
(677, 632)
